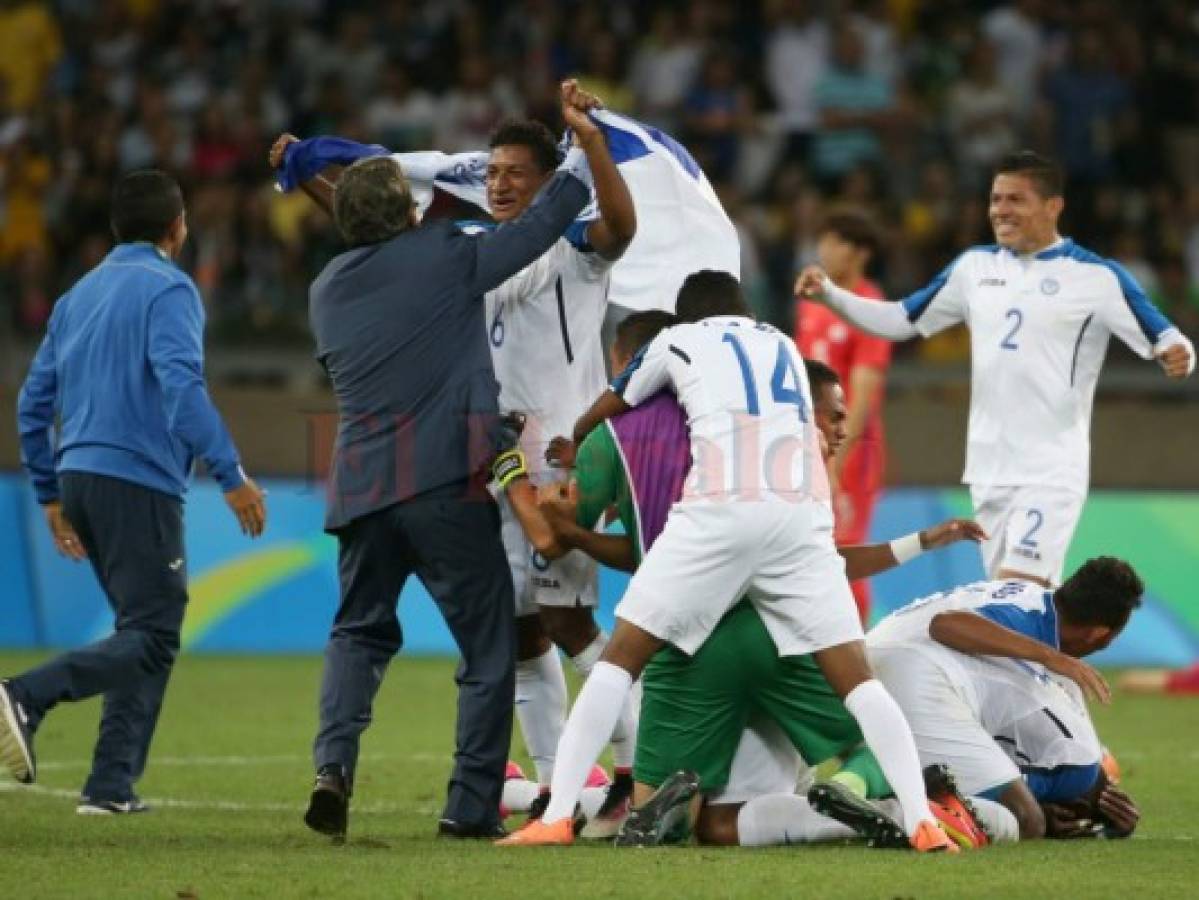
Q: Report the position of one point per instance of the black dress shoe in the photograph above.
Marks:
(452, 828)
(329, 807)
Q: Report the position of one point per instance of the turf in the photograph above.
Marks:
(230, 775)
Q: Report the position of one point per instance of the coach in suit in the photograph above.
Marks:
(399, 326)
(122, 369)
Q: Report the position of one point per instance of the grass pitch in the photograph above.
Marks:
(230, 773)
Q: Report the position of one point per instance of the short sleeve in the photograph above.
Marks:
(647, 372)
(598, 475)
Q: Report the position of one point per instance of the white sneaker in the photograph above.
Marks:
(89, 807)
(16, 741)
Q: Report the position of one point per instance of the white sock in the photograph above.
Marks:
(591, 800)
(624, 735)
(519, 794)
(786, 819)
(999, 821)
(594, 715)
(541, 708)
(887, 734)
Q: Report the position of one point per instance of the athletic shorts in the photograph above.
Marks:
(571, 580)
(695, 709)
(944, 724)
(777, 554)
(1030, 527)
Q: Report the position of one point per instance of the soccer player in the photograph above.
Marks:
(848, 241)
(970, 669)
(754, 521)
(121, 372)
(1040, 310)
(544, 328)
(1180, 682)
(696, 708)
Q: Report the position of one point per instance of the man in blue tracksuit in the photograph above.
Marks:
(122, 370)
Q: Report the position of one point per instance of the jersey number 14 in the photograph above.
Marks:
(780, 391)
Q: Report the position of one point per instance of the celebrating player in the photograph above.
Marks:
(848, 241)
(762, 528)
(1040, 310)
(969, 668)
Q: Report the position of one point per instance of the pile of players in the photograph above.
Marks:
(740, 696)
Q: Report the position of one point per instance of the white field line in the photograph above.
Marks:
(155, 761)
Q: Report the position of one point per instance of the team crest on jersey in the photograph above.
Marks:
(1050, 286)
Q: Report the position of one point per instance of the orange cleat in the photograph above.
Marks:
(958, 824)
(929, 838)
(541, 834)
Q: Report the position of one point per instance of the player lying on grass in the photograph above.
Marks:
(762, 531)
(695, 709)
(972, 669)
(544, 332)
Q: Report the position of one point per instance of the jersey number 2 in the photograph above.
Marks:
(780, 392)
(1017, 319)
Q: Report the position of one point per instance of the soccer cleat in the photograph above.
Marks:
(512, 772)
(929, 838)
(537, 833)
(451, 828)
(651, 824)
(613, 812)
(16, 740)
(838, 802)
(954, 811)
(89, 807)
(329, 807)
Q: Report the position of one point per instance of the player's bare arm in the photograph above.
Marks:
(559, 504)
(865, 560)
(320, 187)
(608, 405)
(970, 633)
(613, 231)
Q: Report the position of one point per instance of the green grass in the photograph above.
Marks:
(259, 714)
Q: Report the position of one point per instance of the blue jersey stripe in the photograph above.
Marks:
(918, 301)
(621, 381)
(1038, 624)
(1149, 317)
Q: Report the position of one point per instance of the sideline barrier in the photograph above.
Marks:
(278, 594)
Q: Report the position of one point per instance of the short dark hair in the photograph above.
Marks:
(527, 133)
(144, 204)
(1104, 591)
(820, 374)
(639, 328)
(372, 202)
(709, 292)
(854, 226)
(1045, 174)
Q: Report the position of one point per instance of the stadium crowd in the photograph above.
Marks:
(898, 106)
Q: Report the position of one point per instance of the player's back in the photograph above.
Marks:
(748, 404)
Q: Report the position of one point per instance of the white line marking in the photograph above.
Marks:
(57, 765)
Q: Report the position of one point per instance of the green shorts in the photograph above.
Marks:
(694, 709)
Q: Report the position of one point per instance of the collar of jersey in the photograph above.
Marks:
(1063, 247)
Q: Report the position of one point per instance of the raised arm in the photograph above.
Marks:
(884, 319)
(614, 230)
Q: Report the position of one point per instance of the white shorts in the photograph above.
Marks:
(1030, 527)
(572, 580)
(778, 554)
(943, 722)
(766, 762)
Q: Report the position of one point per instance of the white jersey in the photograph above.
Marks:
(999, 691)
(1039, 328)
(1059, 732)
(749, 407)
(544, 328)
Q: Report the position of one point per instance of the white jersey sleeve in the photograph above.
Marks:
(943, 302)
(1131, 316)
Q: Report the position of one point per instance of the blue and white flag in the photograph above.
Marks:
(681, 226)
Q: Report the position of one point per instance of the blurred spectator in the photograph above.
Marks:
(1022, 47)
(981, 115)
(796, 56)
(718, 109)
(1176, 294)
(854, 107)
(30, 47)
(664, 67)
(401, 117)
